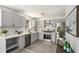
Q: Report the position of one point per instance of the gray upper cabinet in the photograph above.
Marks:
(7, 19)
(22, 21)
(18, 20)
(11, 19)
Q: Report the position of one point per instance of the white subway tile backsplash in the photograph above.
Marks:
(11, 30)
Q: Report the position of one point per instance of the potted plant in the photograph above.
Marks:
(61, 32)
(4, 32)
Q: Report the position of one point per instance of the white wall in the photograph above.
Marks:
(68, 9)
(74, 41)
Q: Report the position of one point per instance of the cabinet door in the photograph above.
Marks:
(41, 35)
(21, 41)
(18, 20)
(36, 25)
(23, 21)
(7, 18)
(53, 37)
(33, 37)
(27, 40)
(32, 23)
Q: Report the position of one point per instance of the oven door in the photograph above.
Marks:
(47, 36)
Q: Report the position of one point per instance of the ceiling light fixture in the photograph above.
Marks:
(43, 14)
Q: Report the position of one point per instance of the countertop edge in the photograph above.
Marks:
(16, 35)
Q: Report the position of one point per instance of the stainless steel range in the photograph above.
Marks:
(47, 36)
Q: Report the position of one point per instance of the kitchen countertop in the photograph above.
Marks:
(15, 35)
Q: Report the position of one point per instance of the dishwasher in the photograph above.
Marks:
(27, 40)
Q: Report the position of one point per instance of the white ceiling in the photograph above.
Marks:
(36, 10)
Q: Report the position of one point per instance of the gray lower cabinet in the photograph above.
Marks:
(21, 41)
(12, 44)
(53, 37)
(34, 37)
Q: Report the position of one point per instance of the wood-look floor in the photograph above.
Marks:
(40, 47)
